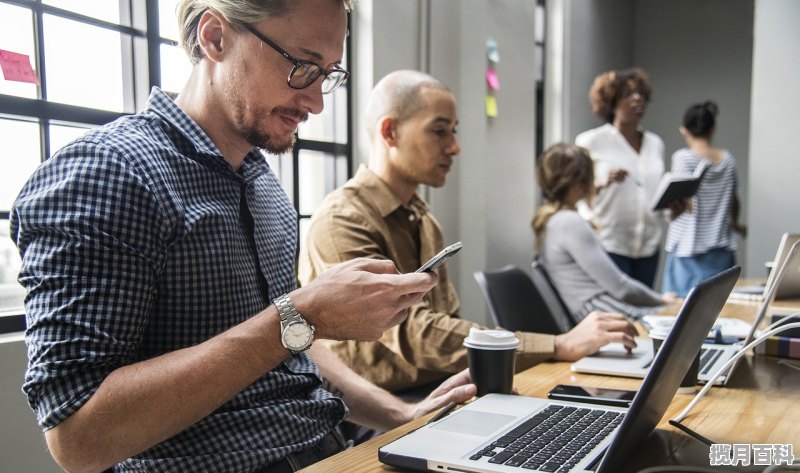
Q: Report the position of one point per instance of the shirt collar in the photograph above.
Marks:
(165, 107)
(384, 199)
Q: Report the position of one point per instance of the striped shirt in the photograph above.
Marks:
(133, 247)
(709, 225)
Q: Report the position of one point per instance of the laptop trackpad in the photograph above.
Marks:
(474, 422)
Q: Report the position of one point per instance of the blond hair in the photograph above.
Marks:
(237, 12)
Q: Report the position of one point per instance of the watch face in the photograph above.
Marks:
(297, 336)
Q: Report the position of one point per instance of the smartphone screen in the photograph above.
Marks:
(608, 396)
(440, 258)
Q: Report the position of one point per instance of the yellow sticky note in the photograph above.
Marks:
(491, 106)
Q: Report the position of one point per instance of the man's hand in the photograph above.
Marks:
(595, 331)
(456, 388)
(360, 299)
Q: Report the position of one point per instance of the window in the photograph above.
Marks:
(96, 61)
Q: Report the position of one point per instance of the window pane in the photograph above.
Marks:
(11, 293)
(320, 173)
(20, 157)
(331, 124)
(84, 64)
(175, 68)
(16, 35)
(61, 135)
(106, 10)
(282, 167)
(167, 19)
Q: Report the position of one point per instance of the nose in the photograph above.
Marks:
(313, 99)
(453, 148)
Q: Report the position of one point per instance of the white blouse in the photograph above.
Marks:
(621, 211)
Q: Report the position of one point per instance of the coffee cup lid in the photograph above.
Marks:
(488, 339)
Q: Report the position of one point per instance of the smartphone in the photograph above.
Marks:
(607, 396)
(440, 258)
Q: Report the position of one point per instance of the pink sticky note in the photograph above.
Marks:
(492, 80)
(17, 67)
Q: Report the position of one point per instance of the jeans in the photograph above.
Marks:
(682, 273)
(641, 269)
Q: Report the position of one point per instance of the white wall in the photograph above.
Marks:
(774, 180)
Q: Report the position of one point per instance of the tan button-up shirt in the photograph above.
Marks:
(364, 218)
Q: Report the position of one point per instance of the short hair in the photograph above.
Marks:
(398, 95)
(700, 119)
(237, 12)
(608, 88)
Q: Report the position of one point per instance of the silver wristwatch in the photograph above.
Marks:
(297, 335)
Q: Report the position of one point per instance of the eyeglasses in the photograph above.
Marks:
(304, 73)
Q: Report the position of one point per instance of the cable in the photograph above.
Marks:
(782, 321)
(725, 366)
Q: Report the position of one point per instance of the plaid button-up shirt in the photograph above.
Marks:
(132, 247)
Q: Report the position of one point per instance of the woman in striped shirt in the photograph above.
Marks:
(701, 239)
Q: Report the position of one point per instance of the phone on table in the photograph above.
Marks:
(440, 258)
(607, 396)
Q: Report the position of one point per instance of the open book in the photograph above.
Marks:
(677, 186)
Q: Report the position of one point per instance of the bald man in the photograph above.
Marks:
(379, 214)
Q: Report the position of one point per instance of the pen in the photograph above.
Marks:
(445, 410)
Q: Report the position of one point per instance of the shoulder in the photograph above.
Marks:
(567, 219)
(653, 140)
(589, 137)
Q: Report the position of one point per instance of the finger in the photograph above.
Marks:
(374, 265)
(458, 379)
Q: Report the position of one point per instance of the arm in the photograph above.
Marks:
(377, 408)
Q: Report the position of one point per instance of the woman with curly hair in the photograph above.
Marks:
(629, 162)
(568, 248)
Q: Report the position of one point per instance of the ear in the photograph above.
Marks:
(210, 31)
(388, 130)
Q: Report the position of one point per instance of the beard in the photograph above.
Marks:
(248, 125)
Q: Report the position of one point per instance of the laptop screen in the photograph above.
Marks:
(698, 314)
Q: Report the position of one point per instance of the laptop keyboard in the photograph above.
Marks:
(708, 356)
(555, 440)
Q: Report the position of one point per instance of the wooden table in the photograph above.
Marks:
(760, 404)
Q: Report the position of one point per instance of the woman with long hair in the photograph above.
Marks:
(568, 247)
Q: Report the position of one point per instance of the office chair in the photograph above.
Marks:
(514, 301)
(561, 316)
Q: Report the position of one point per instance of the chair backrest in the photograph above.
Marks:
(514, 302)
(555, 304)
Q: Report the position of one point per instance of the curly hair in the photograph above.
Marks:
(558, 169)
(610, 86)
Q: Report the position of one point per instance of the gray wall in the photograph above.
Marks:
(774, 180)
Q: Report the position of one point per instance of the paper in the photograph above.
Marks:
(17, 67)
(491, 106)
(491, 51)
(492, 80)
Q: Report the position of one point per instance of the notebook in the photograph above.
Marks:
(478, 436)
(789, 286)
(614, 360)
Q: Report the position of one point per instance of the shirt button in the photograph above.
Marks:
(412, 217)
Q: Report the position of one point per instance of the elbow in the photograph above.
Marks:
(72, 452)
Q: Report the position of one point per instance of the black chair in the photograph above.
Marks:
(555, 304)
(514, 301)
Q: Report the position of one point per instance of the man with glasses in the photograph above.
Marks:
(165, 332)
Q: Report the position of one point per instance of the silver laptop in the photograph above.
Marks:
(789, 286)
(614, 360)
(504, 433)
